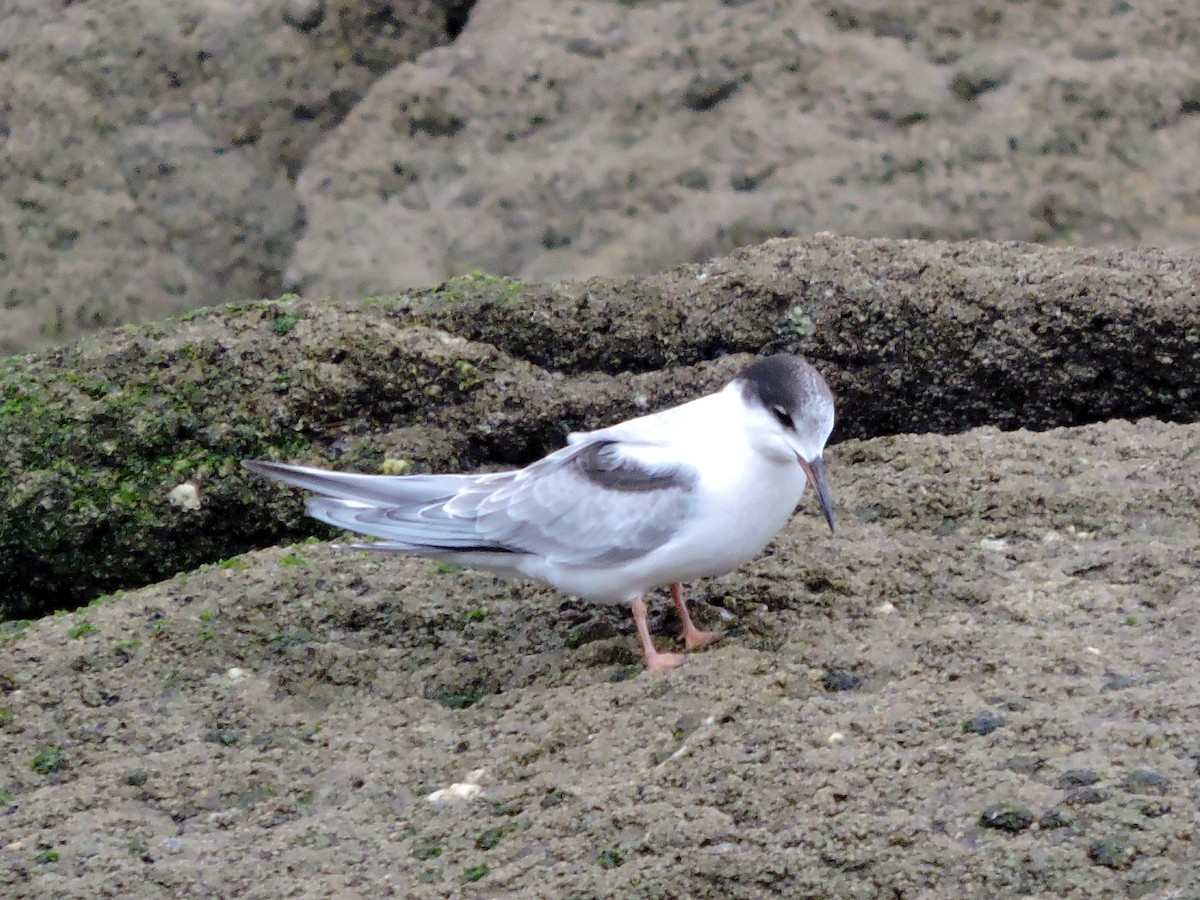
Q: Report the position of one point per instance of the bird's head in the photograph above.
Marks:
(790, 417)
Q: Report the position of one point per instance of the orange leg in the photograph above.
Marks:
(693, 637)
(655, 661)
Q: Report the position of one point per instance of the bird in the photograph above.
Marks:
(691, 491)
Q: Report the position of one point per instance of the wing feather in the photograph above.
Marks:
(379, 490)
(594, 501)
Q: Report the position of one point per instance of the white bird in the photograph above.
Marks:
(692, 491)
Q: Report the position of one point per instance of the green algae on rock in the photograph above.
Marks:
(119, 460)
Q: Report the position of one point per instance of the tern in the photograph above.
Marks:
(689, 492)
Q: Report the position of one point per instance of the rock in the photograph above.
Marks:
(673, 132)
(1010, 817)
(1144, 781)
(1113, 853)
(982, 724)
(149, 149)
(486, 371)
(371, 685)
(160, 156)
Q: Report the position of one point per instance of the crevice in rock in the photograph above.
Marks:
(458, 13)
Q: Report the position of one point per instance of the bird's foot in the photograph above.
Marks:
(661, 662)
(694, 638)
(655, 661)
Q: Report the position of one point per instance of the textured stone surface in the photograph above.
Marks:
(293, 710)
(158, 156)
(484, 371)
(567, 140)
(148, 149)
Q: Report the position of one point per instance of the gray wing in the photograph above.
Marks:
(373, 490)
(592, 501)
(405, 510)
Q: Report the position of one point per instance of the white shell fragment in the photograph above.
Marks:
(465, 790)
(185, 496)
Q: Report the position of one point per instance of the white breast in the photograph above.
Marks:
(743, 499)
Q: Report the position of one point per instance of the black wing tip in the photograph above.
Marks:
(434, 551)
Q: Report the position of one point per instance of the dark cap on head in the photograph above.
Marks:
(796, 394)
(785, 381)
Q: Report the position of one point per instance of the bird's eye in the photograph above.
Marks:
(782, 415)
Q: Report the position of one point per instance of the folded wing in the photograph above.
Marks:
(594, 501)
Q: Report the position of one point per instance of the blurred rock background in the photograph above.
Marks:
(160, 156)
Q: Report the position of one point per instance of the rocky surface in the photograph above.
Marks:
(103, 436)
(988, 678)
(557, 140)
(148, 149)
(986, 682)
(159, 156)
